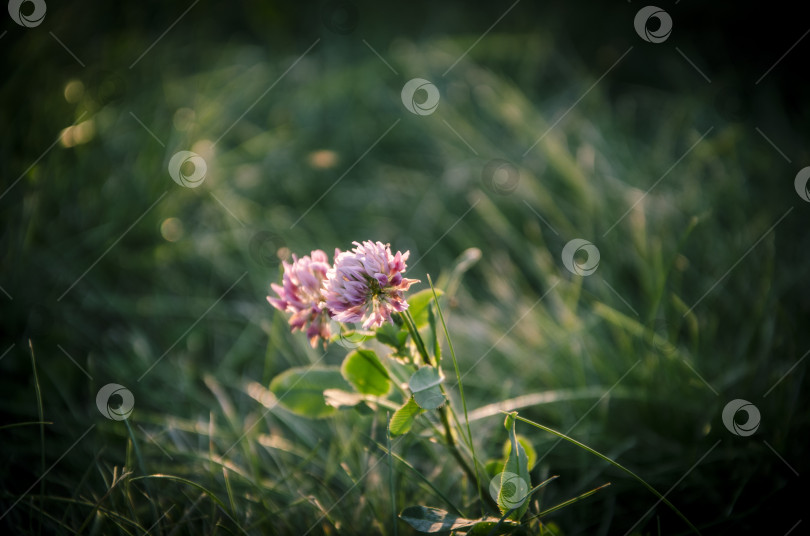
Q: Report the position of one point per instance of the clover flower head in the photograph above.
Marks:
(366, 284)
(300, 294)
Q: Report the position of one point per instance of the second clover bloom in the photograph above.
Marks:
(300, 295)
(366, 284)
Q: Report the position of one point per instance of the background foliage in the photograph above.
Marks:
(201, 413)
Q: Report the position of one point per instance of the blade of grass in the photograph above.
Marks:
(434, 337)
(228, 488)
(80, 485)
(569, 501)
(191, 483)
(24, 424)
(391, 473)
(658, 295)
(59, 522)
(41, 428)
(156, 523)
(139, 457)
(112, 514)
(135, 448)
(453, 446)
(187, 513)
(461, 392)
(423, 478)
(95, 508)
(129, 463)
(612, 462)
(211, 429)
(417, 338)
(448, 433)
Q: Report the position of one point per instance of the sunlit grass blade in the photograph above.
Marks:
(570, 501)
(13, 425)
(460, 390)
(116, 480)
(614, 463)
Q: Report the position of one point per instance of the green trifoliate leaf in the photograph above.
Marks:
(531, 454)
(363, 369)
(515, 481)
(301, 389)
(395, 336)
(404, 417)
(426, 387)
(418, 306)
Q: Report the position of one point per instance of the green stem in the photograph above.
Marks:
(448, 432)
(417, 339)
(616, 464)
(460, 387)
(454, 450)
(569, 501)
(391, 476)
(420, 346)
(456, 510)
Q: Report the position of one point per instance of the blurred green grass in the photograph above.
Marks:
(204, 402)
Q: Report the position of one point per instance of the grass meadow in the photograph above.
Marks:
(670, 158)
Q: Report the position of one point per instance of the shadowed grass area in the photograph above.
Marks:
(120, 275)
